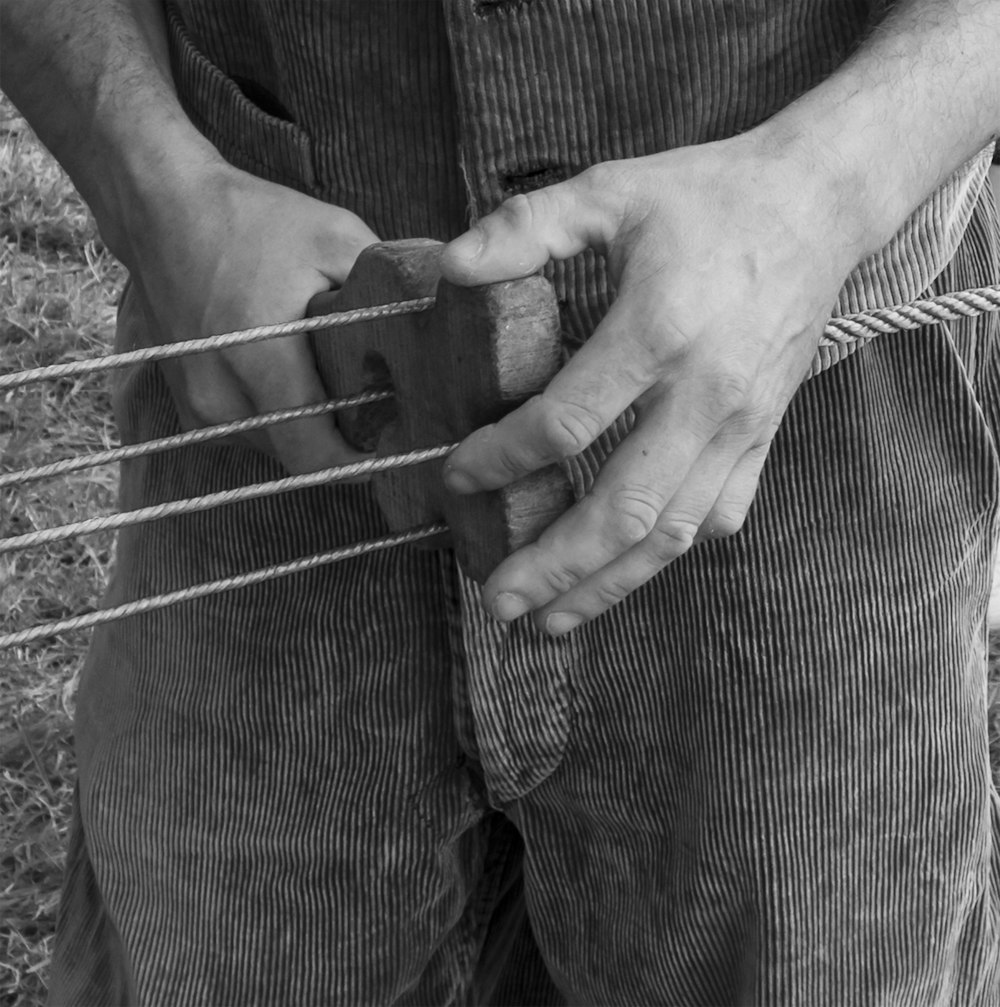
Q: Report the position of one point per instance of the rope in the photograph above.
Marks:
(865, 325)
(256, 491)
(240, 338)
(860, 326)
(185, 439)
(159, 601)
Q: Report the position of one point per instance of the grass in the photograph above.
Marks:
(58, 287)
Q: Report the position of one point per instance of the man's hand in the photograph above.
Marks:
(728, 258)
(211, 248)
(241, 252)
(725, 279)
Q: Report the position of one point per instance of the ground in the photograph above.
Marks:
(58, 288)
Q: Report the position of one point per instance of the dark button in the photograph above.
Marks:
(534, 178)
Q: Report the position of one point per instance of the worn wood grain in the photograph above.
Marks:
(479, 353)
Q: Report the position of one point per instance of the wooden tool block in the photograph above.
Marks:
(480, 352)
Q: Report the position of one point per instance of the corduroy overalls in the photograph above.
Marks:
(762, 779)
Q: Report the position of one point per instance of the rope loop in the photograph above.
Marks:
(866, 325)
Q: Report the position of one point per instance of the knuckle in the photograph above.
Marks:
(658, 354)
(672, 537)
(665, 344)
(510, 460)
(750, 429)
(729, 392)
(611, 592)
(568, 427)
(203, 405)
(519, 211)
(599, 178)
(634, 513)
(561, 579)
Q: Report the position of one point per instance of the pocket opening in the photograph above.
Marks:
(248, 125)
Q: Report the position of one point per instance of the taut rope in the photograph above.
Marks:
(47, 629)
(198, 436)
(859, 327)
(865, 325)
(125, 519)
(221, 342)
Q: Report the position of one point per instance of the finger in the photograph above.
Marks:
(323, 303)
(203, 391)
(346, 236)
(676, 531)
(210, 395)
(528, 230)
(312, 444)
(627, 354)
(283, 378)
(730, 510)
(654, 493)
(638, 483)
(342, 238)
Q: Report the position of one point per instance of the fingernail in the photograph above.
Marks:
(469, 245)
(559, 623)
(507, 606)
(459, 481)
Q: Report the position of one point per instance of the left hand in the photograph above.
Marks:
(728, 259)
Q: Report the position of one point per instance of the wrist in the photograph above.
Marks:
(870, 181)
(822, 197)
(106, 107)
(151, 181)
(914, 104)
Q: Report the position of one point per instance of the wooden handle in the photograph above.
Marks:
(480, 352)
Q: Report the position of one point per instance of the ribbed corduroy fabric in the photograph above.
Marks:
(763, 779)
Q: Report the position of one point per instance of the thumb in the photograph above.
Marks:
(526, 231)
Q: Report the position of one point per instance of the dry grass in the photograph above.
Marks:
(58, 287)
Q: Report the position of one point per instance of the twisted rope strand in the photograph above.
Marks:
(159, 601)
(860, 326)
(865, 325)
(242, 337)
(256, 491)
(188, 437)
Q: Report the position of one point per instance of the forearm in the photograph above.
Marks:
(93, 79)
(919, 98)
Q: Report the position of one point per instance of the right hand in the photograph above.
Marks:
(239, 252)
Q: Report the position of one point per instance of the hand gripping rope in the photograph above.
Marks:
(420, 364)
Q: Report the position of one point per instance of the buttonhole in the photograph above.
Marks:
(533, 178)
(488, 8)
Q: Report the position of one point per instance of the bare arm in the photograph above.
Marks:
(919, 98)
(93, 79)
(728, 258)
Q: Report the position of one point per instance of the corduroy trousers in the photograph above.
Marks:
(762, 779)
